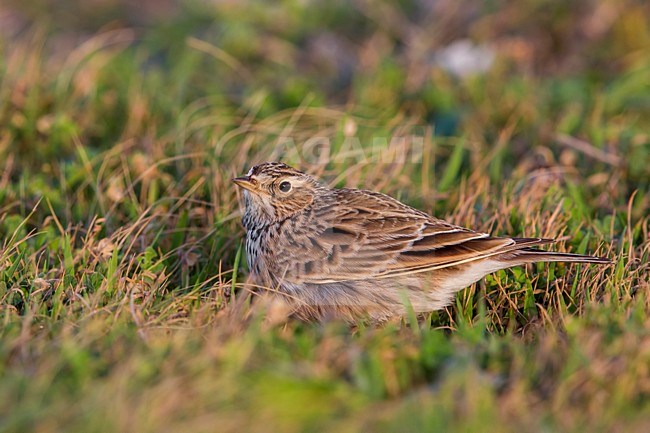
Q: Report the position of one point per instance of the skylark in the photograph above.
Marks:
(348, 252)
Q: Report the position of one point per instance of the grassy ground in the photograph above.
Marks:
(123, 303)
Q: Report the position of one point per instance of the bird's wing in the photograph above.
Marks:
(362, 234)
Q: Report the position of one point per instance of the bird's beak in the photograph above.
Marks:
(245, 182)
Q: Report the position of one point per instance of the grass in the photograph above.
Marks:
(124, 304)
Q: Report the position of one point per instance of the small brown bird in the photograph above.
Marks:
(348, 253)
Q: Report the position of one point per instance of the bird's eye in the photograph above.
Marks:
(285, 186)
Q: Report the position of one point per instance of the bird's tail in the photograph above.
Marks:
(531, 255)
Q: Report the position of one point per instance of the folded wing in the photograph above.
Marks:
(362, 234)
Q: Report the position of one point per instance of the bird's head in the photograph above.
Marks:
(273, 191)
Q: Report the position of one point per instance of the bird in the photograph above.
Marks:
(346, 253)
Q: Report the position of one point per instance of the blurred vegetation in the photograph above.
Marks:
(123, 303)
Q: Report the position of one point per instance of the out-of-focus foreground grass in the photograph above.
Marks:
(122, 122)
